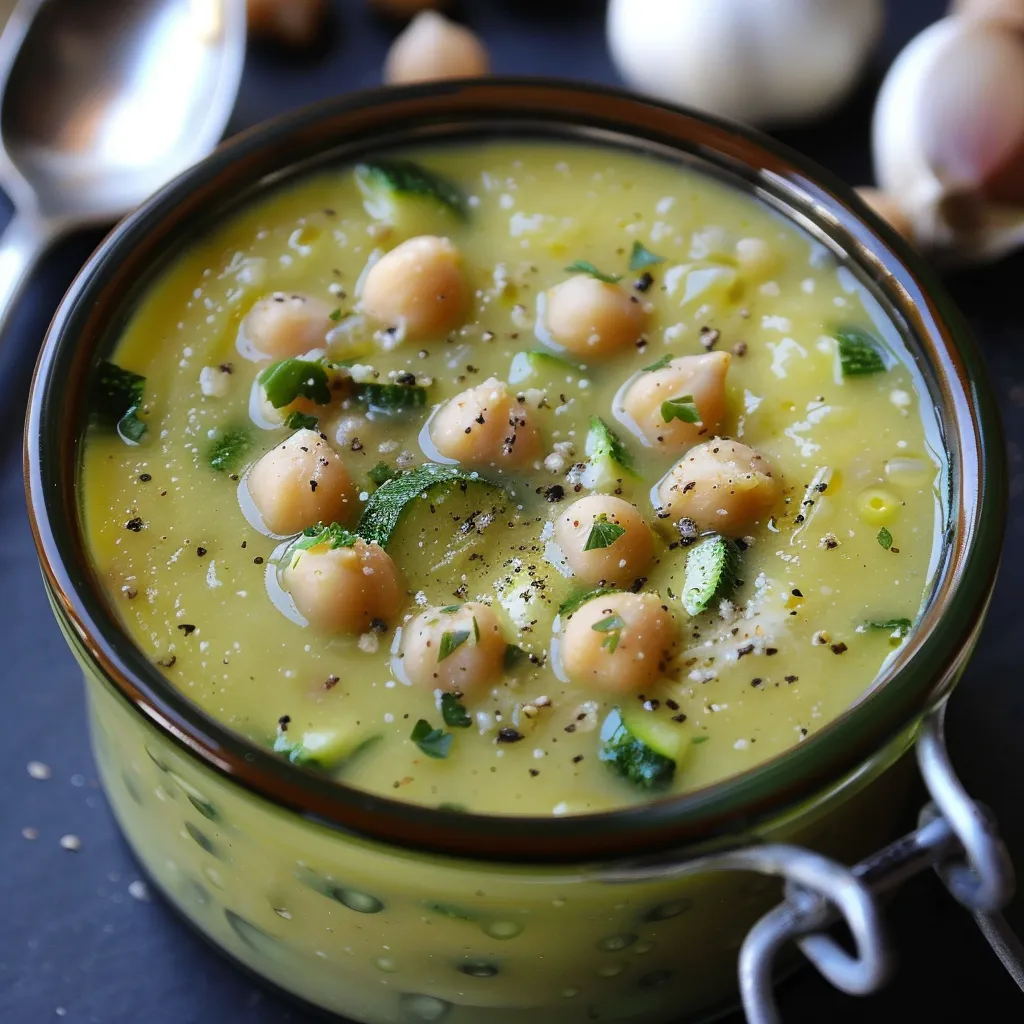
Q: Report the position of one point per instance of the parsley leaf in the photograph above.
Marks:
(896, 628)
(382, 473)
(660, 364)
(300, 421)
(859, 352)
(574, 602)
(295, 378)
(227, 451)
(603, 534)
(433, 742)
(451, 642)
(641, 257)
(699, 739)
(453, 712)
(885, 538)
(335, 315)
(611, 626)
(585, 267)
(334, 535)
(681, 408)
(513, 655)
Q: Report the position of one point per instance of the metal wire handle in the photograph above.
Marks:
(955, 836)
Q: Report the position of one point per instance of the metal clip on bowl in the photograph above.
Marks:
(955, 836)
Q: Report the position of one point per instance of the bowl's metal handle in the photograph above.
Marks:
(955, 836)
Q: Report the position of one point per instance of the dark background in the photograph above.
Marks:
(76, 947)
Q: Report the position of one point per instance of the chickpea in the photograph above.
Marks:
(721, 485)
(301, 482)
(280, 326)
(344, 589)
(618, 643)
(433, 47)
(592, 318)
(701, 377)
(419, 288)
(622, 561)
(486, 426)
(431, 661)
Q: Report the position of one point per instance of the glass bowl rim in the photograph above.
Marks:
(717, 813)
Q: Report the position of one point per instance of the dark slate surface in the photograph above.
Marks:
(76, 947)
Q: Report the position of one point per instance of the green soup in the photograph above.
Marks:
(686, 506)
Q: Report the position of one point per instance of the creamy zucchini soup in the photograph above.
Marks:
(518, 478)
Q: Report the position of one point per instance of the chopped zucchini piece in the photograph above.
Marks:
(609, 465)
(712, 567)
(289, 379)
(386, 183)
(859, 352)
(391, 399)
(325, 749)
(643, 750)
(228, 451)
(116, 400)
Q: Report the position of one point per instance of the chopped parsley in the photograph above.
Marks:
(660, 364)
(116, 400)
(699, 739)
(334, 535)
(451, 641)
(585, 267)
(885, 538)
(574, 602)
(641, 257)
(513, 655)
(896, 628)
(681, 408)
(335, 315)
(453, 712)
(603, 534)
(433, 742)
(382, 473)
(300, 421)
(289, 379)
(611, 626)
(227, 451)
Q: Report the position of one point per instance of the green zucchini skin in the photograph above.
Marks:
(631, 757)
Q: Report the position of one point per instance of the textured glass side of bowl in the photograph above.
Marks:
(379, 935)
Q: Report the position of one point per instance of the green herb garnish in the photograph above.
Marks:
(289, 379)
(585, 267)
(513, 655)
(896, 628)
(603, 534)
(454, 713)
(229, 450)
(885, 538)
(859, 352)
(116, 400)
(602, 441)
(335, 315)
(660, 364)
(699, 739)
(574, 602)
(711, 573)
(641, 257)
(300, 421)
(681, 408)
(451, 642)
(433, 742)
(391, 500)
(382, 473)
(334, 535)
(611, 626)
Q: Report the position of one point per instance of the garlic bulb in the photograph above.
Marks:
(433, 47)
(948, 138)
(761, 61)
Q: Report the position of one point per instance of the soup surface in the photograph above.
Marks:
(522, 478)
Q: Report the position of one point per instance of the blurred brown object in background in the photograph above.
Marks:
(1010, 11)
(886, 208)
(434, 47)
(294, 23)
(405, 9)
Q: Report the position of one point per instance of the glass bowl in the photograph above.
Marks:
(381, 911)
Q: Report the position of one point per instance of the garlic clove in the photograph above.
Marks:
(761, 61)
(948, 138)
(433, 47)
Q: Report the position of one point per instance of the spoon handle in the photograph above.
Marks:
(24, 240)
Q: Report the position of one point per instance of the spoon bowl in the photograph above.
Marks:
(102, 104)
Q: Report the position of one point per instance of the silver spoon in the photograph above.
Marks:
(104, 101)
